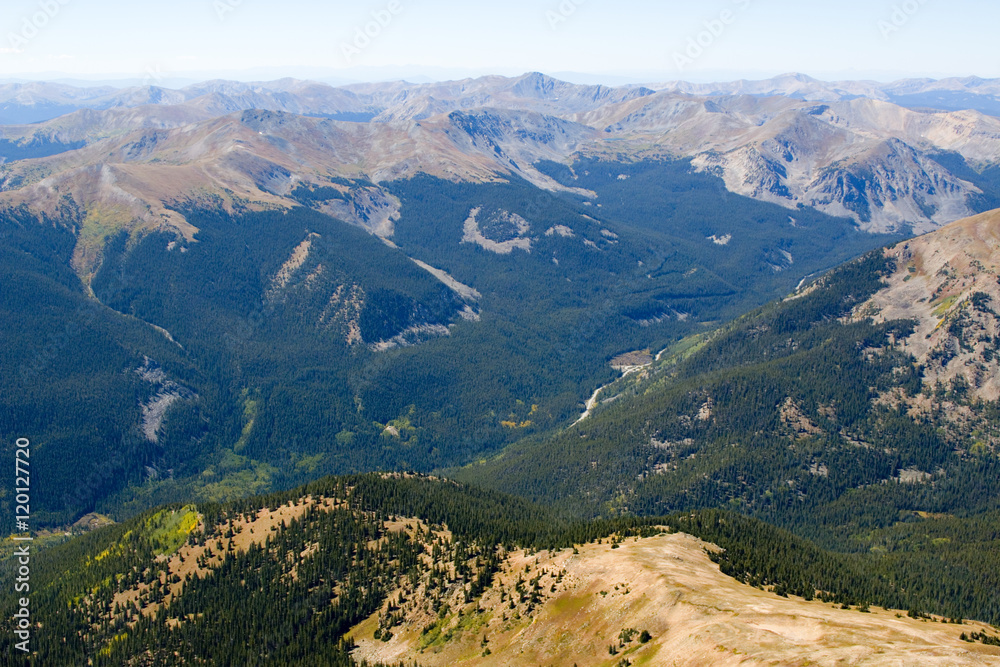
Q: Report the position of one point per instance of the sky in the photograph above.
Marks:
(636, 40)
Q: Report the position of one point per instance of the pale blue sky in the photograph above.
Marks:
(638, 38)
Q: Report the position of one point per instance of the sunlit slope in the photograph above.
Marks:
(862, 400)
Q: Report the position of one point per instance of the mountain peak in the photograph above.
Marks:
(536, 84)
(796, 76)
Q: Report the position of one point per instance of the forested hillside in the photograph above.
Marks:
(206, 310)
(286, 578)
(268, 348)
(807, 413)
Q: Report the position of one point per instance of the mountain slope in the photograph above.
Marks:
(947, 282)
(398, 567)
(864, 158)
(170, 373)
(747, 418)
(135, 174)
(315, 347)
(600, 598)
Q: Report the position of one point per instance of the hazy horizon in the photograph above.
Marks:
(180, 80)
(578, 40)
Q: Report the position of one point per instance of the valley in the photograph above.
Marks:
(505, 370)
(295, 338)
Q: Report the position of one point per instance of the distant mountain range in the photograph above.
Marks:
(38, 101)
(853, 149)
(952, 94)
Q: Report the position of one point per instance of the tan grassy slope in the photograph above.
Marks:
(668, 586)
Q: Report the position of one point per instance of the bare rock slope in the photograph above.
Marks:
(947, 282)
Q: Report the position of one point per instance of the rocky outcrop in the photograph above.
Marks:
(167, 393)
(946, 282)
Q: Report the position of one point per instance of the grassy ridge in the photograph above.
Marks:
(345, 562)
